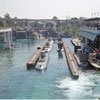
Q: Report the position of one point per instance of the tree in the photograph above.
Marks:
(7, 16)
(54, 18)
(74, 18)
(7, 19)
(82, 18)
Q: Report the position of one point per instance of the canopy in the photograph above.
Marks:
(89, 35)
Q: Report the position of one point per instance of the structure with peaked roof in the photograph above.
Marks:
(91, 32)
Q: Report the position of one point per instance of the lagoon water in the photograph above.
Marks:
(16, 82)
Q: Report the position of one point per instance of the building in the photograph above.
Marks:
(91, 33)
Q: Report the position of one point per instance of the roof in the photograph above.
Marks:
(90, 34)
(92, 19)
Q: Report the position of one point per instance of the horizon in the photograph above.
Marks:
(47, 9)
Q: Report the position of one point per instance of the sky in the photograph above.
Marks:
(40, 9)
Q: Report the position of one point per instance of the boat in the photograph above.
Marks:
(60, 45)
(43, 61)
(94, 64)
(51, 41)
(80, 56)
(80, 62)
(60, 50)
(48, 46)
(94, 61)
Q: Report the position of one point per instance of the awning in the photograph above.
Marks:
(90, 36)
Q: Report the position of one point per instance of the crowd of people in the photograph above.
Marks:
(87, 51)
(97, 51)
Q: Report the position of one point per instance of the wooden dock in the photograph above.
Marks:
(34, 58)
(73, 66)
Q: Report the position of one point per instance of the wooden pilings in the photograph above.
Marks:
(34, 58)
(71, 60)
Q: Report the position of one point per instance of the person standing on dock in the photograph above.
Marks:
(86, 51)
(84, 48)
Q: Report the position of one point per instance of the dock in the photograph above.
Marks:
(6, 33)
(73, 66)
(34, 58)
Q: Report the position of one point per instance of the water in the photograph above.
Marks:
(16, 82)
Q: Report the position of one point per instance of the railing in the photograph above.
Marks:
(91, 30)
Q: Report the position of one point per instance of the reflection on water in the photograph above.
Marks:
(16, 82)
(60, 55)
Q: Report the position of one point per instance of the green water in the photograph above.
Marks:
(16, 82)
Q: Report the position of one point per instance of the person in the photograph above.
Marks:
(60, 45)
(99, 50)
(48, 44)
(86, 51)
(84, 48)
(97, 54)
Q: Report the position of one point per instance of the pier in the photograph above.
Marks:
(71, 60)
(7, 35)
(34, 58)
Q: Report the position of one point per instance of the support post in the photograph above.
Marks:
(54, 25)
(44, 25)
(5, 37)
(28, 25)
(9, 40)
(11, 37)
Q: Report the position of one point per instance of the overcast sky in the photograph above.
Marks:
(48, 8)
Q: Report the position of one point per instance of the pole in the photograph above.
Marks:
(9, 40)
